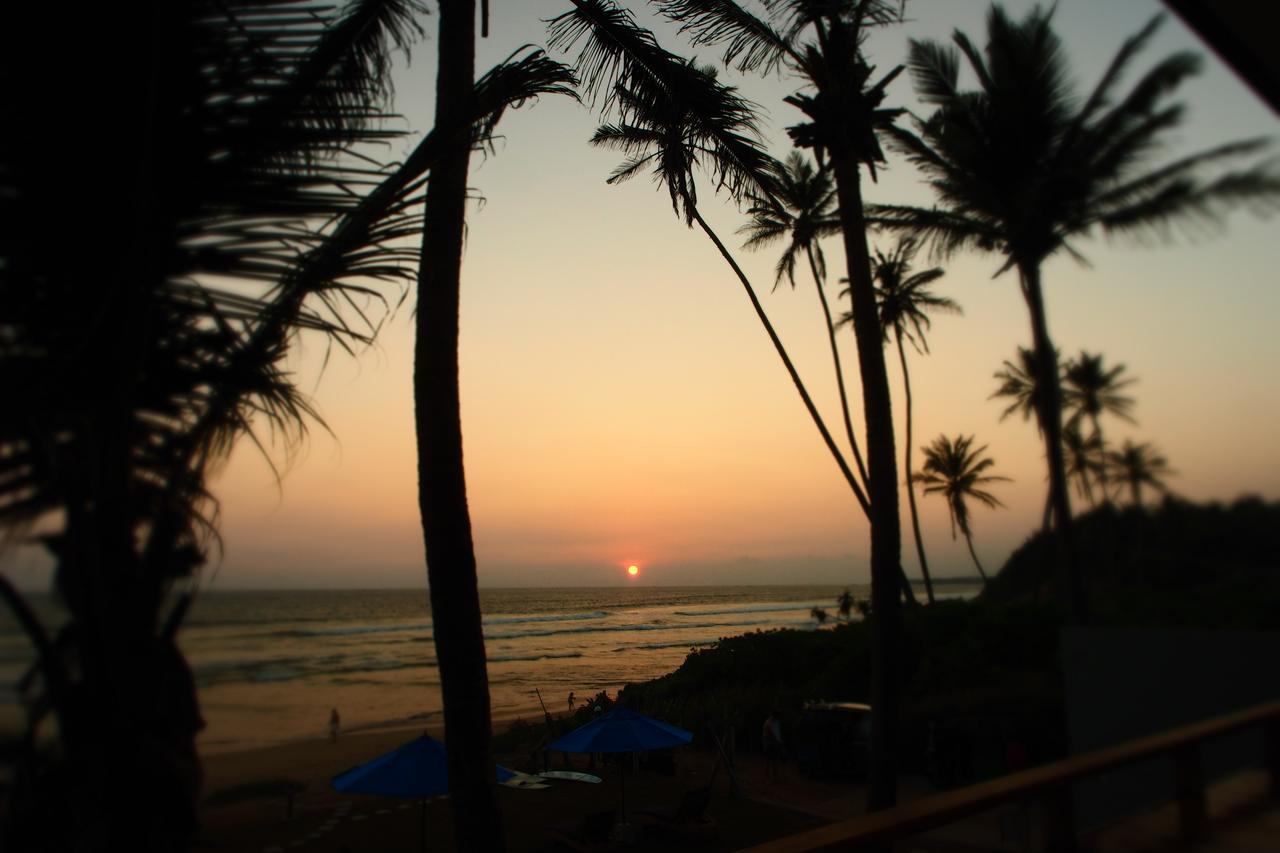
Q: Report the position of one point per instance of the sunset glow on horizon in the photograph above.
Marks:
(619, 396)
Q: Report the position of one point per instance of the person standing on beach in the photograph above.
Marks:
(335, 722)
(771, 737)
(571, 701)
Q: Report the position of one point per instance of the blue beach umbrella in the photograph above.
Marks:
(622, 730)
(415, 769)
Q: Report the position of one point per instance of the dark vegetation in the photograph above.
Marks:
(995, 659)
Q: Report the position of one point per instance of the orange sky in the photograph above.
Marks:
(622, 405)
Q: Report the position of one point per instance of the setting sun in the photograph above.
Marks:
(633, 570)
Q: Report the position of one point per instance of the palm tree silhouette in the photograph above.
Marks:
(1085, 460)
(245, 204)
(845, 604)
(442, 491)
(904, 299)
(821, 43)
(802, 208)
(954, 469)
(1022, 167)
(1089, 390)
(1138, 465)
(1020, 383)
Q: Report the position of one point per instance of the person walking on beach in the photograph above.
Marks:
(771, 737)
(335, 722)
(572, 701)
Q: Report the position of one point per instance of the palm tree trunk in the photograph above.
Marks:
(902, 580)
(911, 492)
(1102, 469)
(442, 493)
(786, 360)
(1070, 571)
(968, 537)
(886, 535)
(835, 360)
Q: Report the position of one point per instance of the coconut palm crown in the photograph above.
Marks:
(956, 470)
(1022, 167)
(1138, 465)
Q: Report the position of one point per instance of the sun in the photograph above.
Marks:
(633, 570)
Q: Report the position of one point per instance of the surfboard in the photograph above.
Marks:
(571, 775)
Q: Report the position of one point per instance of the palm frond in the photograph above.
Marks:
(751, 42)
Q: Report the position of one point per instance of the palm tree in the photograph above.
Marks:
(442, 492)
(1085, 460)
(954, 469)
(802, 208)
(822, 44)
(1089, 390)
(904, 300)
(1023, 167)
(1137, 465)
(1020, 383)
(244, 204)
(845, 604)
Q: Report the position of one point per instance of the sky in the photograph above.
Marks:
(622, 405)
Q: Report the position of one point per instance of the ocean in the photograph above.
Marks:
(271, 665)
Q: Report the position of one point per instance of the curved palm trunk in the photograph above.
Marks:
(968, 537)
(886, 535)
(442, 493)
(835, 360)
(911, 492)
(786, 360)
(1070, 571)
(903, 582)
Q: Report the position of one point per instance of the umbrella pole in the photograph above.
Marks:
(624, 788)
(422, 827)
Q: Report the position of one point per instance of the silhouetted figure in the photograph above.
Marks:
(572, 701)
(335, 723)
(771, 737)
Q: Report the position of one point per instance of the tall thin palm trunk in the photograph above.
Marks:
(835, 360)
(1102, 469)
(886, 535)
(782, 354)
(911, 492)
(968, 537)
(1070, 572)
(442, 493)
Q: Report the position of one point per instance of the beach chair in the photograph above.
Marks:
(593, 835)
(689, 820)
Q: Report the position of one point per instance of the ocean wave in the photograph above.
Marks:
(549, 617)
(772, 607)
(533, 656)
(608, 629)
(350, 630)
(688, 644)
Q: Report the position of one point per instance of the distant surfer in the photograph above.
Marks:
(335, 723)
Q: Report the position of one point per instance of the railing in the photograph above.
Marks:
(1052, 783)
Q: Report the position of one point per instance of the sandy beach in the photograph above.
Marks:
(246, 807)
